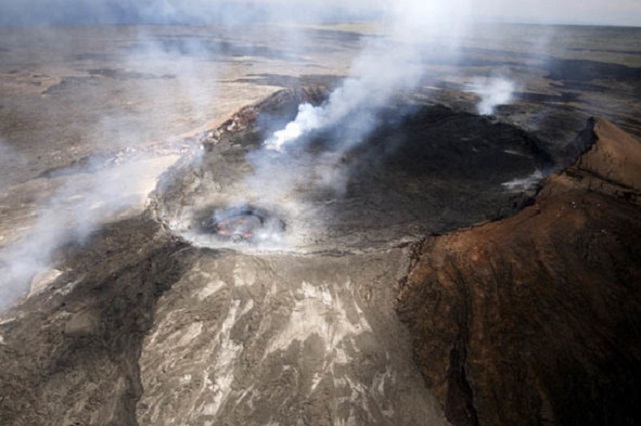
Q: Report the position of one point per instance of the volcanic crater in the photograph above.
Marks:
(423, 169)
(230, 302)
(184, 313)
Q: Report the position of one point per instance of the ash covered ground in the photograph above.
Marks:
(123, 307)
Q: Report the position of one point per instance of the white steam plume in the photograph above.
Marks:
(384, 68)
(47, 12)
(77, 209)
(114, 184)
(493, 92)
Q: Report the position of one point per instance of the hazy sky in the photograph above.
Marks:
(603, 12)
(26, 12)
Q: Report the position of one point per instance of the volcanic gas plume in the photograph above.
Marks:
(353, 222)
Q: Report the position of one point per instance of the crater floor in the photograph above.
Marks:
(424, 169)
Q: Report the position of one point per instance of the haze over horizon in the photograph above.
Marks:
(79, 12)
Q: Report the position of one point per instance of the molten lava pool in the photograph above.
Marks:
(237, 223)
(244, 223)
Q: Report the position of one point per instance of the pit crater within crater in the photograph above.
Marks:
(423, 169)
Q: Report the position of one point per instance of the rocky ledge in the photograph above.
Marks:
(536, 319)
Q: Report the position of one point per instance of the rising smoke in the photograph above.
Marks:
(168, 73)
(70, 215)
(386, 66)
(75, 12)
(190, 12)
(159, 84)
(493, 92)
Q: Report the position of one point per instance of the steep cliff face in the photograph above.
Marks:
(536, 318)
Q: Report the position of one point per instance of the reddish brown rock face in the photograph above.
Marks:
(537, 318)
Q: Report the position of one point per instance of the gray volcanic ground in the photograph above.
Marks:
(124, 147)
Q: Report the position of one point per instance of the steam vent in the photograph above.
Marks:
(244, 223)
(416, 264)
(408, 178)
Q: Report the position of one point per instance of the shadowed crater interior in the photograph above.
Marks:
(421, 169)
